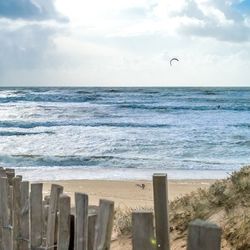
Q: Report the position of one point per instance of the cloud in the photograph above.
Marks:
(27, 32)
(29, 10)
(124, 42)
(24, 47)
(216, 19)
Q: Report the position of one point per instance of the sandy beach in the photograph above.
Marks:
(125, 193)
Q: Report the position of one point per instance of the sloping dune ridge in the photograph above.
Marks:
(226, 202)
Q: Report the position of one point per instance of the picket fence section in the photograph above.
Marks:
(31, 221)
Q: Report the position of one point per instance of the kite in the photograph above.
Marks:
(173, 59)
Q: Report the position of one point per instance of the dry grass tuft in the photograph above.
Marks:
(122, 221)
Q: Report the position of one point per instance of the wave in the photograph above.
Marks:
(49, 98)
(184, 108)
(241, 125)
(26, 125)
(28, 160)
(16, 133)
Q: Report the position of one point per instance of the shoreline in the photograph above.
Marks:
(116, 174)
(125, 194)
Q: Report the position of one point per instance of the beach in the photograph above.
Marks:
(125, 193)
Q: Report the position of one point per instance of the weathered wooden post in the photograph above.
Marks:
(45, 222)
(64, 223)
(24, 216)
(10, 170)
(81, 226)
(203, 235)
(45, 217)
(36, 215)
(10, 202)
(91, 230)
(16, 212)
(51, 240)
(10, 173)
(143, 231)
(104, 225)
(5, 234)
(160, 186)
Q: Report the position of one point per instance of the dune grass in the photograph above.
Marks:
(226, 202)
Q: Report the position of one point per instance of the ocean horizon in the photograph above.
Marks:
(52, 133)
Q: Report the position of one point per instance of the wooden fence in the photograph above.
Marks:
(29, 221)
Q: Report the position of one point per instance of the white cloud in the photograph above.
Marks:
(118, 42)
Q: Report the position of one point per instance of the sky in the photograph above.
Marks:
(124, 42)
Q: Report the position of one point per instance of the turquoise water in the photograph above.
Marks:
(124, 133)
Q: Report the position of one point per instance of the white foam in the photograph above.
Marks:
(44, 174)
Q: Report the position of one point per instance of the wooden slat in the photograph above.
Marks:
(81, 226)
(160, 186)
(51, 238)
(10, 170)
(10, 175)
(36, 215)
(203, 235)
(16, 212)
(5, 234)
(45, 222)
(91, 230)
(104, 225)
(143, 231)
(10, 203)
(64, 223)
(24, 216)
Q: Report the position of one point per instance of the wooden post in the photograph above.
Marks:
(24, 216)
(143, 231)
(10, 173)
(203, 235)
(91, 230)
(64, 223)
(10, 170)
(36, 215)
(5, 231)
(45, 222)
(160, 186)
(51, 238)
(10, 203)
(81, 226)
(16, 212)
(104, 225)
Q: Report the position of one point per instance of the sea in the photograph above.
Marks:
(124, 133)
